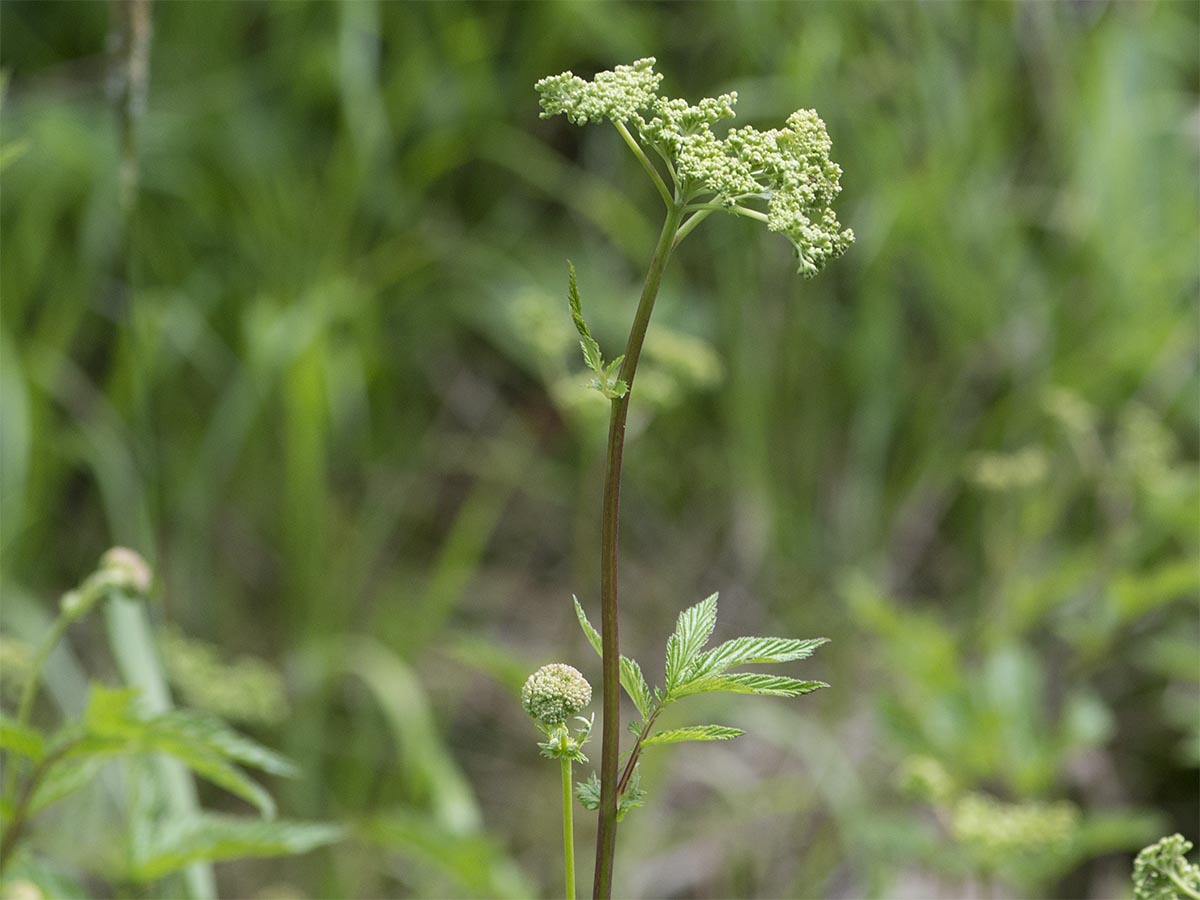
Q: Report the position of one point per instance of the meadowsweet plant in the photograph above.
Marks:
(784, 178)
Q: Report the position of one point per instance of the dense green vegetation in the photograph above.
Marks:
(320, 371)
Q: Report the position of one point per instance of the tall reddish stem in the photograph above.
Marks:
(606, 837)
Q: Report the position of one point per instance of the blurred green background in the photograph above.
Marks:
(321, 373)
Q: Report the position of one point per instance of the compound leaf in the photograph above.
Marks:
(114, 725)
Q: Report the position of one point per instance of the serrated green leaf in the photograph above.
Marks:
(692, 631)
(589, 632)
(114, 725)
(212, 838)
(211, 765)
(632, 679)
(21, 739)
(591, 349)
(635, 685)
(588, 792)
(744, 651)
(693, 733)
(749, 683)
(211, 732)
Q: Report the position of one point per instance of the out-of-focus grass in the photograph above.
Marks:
(342, 402)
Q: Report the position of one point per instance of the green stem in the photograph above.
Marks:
(606, 837)
(29, 691)
(646, 164)
(1187, 889)
(568, 829)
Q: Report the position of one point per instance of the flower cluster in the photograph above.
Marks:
(1162, 871)
(554, 693)
(789, 168)
(614, 95)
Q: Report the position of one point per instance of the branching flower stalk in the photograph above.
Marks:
(789, 172)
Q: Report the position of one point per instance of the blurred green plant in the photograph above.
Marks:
(43, 768)
(980, 709)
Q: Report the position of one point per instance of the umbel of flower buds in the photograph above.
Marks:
(789, 169)
(554, 693)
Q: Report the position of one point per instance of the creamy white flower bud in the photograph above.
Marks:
(554, 693)
(127, 570)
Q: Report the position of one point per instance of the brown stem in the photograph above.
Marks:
(606, 837)
(627, 773)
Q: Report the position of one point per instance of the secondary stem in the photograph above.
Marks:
(29, 691)
(606, 837)
(627, 772)
(21, 807)
(568, 829)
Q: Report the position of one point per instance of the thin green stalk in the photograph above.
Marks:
(606, 837)
(29, 691)
(568, 829)
(646, 164)
(693, 220)
(1187, 889)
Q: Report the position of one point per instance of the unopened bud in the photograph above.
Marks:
(554, 693)
(127, 570)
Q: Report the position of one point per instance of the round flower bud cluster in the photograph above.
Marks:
(127, 570)
(554, 693)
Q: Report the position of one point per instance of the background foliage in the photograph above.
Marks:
(342, 413)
